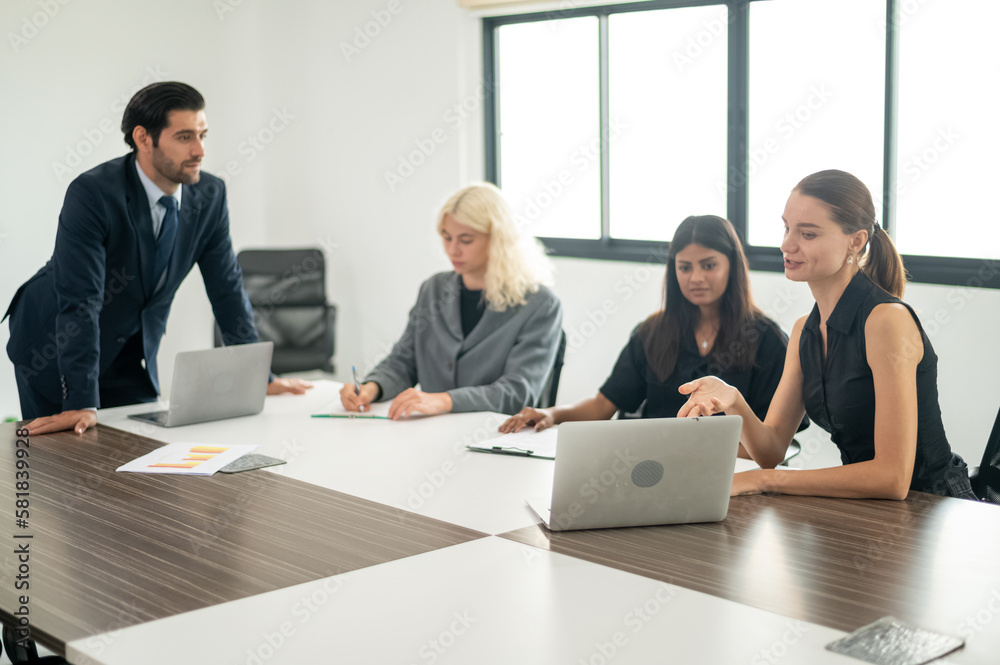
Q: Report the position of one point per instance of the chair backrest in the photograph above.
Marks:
(283, 277)
(287, 290)
(551, 388)
(986, 484)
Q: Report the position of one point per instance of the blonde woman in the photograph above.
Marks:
(481, 337)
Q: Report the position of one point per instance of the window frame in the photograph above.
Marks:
(922, 269)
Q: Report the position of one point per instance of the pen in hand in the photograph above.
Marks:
(357, 386)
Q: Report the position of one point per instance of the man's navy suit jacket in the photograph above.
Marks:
(71, 320)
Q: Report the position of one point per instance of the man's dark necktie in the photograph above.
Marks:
(165, 241)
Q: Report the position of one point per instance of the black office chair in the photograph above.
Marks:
(287, 290)
(551, 387)
(794, 448)
(25, 652)
(986, 478)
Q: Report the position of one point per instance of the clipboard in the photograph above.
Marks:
(526, 443)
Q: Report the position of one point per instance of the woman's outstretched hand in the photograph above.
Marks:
(707, 396)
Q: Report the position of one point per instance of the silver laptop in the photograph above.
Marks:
(621, 473)
(214, 384)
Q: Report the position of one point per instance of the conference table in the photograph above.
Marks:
(390, 542)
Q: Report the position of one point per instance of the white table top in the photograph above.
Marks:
(419, 465)
(487, 601)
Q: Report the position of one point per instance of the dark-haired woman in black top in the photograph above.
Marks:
(708, 324)
(860, 364)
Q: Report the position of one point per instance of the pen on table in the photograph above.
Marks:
(358, 416)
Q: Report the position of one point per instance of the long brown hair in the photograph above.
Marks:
(736, 342)
(850, 205)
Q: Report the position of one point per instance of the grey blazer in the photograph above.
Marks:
(501, 366)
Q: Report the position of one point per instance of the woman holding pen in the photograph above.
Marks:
(859, 364)
(481, 337)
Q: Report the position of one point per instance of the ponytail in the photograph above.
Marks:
(883, 264)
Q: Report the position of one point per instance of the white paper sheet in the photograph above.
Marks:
(190, 459)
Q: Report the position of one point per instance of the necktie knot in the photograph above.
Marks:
(168, 202)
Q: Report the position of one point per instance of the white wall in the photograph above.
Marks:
(349, 118)
(65, 76)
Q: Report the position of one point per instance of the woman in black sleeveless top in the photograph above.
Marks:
(859, 364)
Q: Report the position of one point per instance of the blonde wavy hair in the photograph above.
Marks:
(517, 263)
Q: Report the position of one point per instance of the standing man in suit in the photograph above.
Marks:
(84, 331)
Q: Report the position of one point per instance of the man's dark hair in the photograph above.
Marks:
(150, 107)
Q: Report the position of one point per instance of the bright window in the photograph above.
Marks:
(611, 124)
(816, 102)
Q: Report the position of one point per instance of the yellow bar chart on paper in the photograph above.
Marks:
(187, 458)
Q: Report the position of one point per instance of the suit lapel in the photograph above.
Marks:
(188, 219)
(142, 224)
(189, 213)
(452, 312)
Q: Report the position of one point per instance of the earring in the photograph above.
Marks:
(850, 260)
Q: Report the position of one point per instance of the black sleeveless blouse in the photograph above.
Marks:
(839, 394)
